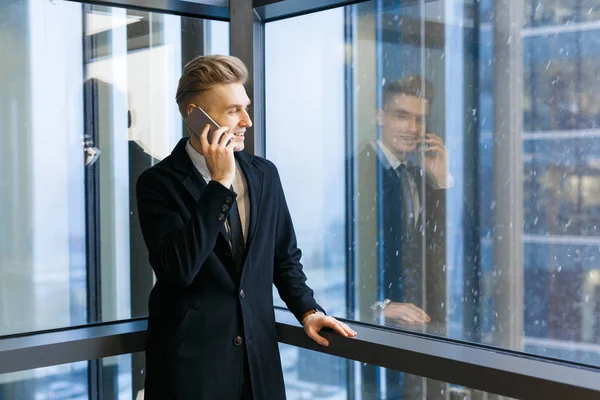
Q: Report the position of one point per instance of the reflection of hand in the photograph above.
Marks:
(317, 321)
(436, 159)
(405, 312)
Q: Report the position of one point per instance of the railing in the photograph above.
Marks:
(503, 372)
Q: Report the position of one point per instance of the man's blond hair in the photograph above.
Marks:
(205, 72)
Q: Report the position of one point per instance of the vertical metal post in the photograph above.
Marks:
(508, 174)
(92, 205)
(247, 42)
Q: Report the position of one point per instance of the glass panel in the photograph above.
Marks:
(496, 237)
(121, 378)
(86, 104)
(318, 133)
(68, 381)
(310, 375)
(554, 12)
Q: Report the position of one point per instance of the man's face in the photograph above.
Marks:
(403, 123)
(228, 105)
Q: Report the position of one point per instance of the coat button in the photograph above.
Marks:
(228, 199)
(238, 341)
(242, 294)
(220, 217)
(225, 208)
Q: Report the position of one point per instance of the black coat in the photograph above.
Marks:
(399, 260)
(202, 316)
(402, 257)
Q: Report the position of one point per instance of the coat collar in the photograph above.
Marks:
(195, 183)
(255, 180)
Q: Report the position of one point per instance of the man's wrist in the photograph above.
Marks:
(380, 305)
(226, 182)
(310, 312)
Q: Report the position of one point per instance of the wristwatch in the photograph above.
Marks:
(380, 305)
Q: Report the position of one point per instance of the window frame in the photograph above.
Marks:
(474, 365)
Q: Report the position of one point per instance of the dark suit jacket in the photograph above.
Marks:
(395, 252)
(402, 258)
(202, 316)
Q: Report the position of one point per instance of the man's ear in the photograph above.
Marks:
(191, 106)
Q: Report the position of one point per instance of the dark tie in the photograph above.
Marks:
(408, 209)
(236, 236)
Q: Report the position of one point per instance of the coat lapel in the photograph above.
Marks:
(192, 180)
(254, 179)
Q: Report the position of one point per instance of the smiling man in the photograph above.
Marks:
(219, 234)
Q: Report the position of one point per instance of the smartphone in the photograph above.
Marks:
(197, 121)
(423, 146)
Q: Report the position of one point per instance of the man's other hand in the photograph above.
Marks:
(317, 321)
(405, 312)
(436, 159)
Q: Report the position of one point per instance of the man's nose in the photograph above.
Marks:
(246, 121)
(410, 124)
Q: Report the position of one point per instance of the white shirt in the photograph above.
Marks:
(240, 186)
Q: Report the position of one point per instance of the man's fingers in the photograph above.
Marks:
(204, 137)
(216, 138)
(433, 137)
(416, 316)
(347, 329)
(435, 148)
(314, 335)
(335, 325)
(341, 328)
(226, 139)
(421, 313)
(407, 317)
(409, 313)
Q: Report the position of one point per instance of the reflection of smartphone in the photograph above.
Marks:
(197, 121)
(423, 146)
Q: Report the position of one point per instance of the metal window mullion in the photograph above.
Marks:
(247, 42)
(92, 206)
(349, 27)
(274, 10)
(508, 174)
(210, 9)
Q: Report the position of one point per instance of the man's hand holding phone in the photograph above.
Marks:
(219, 154)
(436, 157)
(215, 145)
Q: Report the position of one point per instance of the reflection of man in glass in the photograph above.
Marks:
(402, 223)
(412, 165)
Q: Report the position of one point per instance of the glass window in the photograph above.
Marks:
(440, 158)
(119, 379)
(308, 114)
(87, 102)
(68, 381)
(549, 13)
(310, 375)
